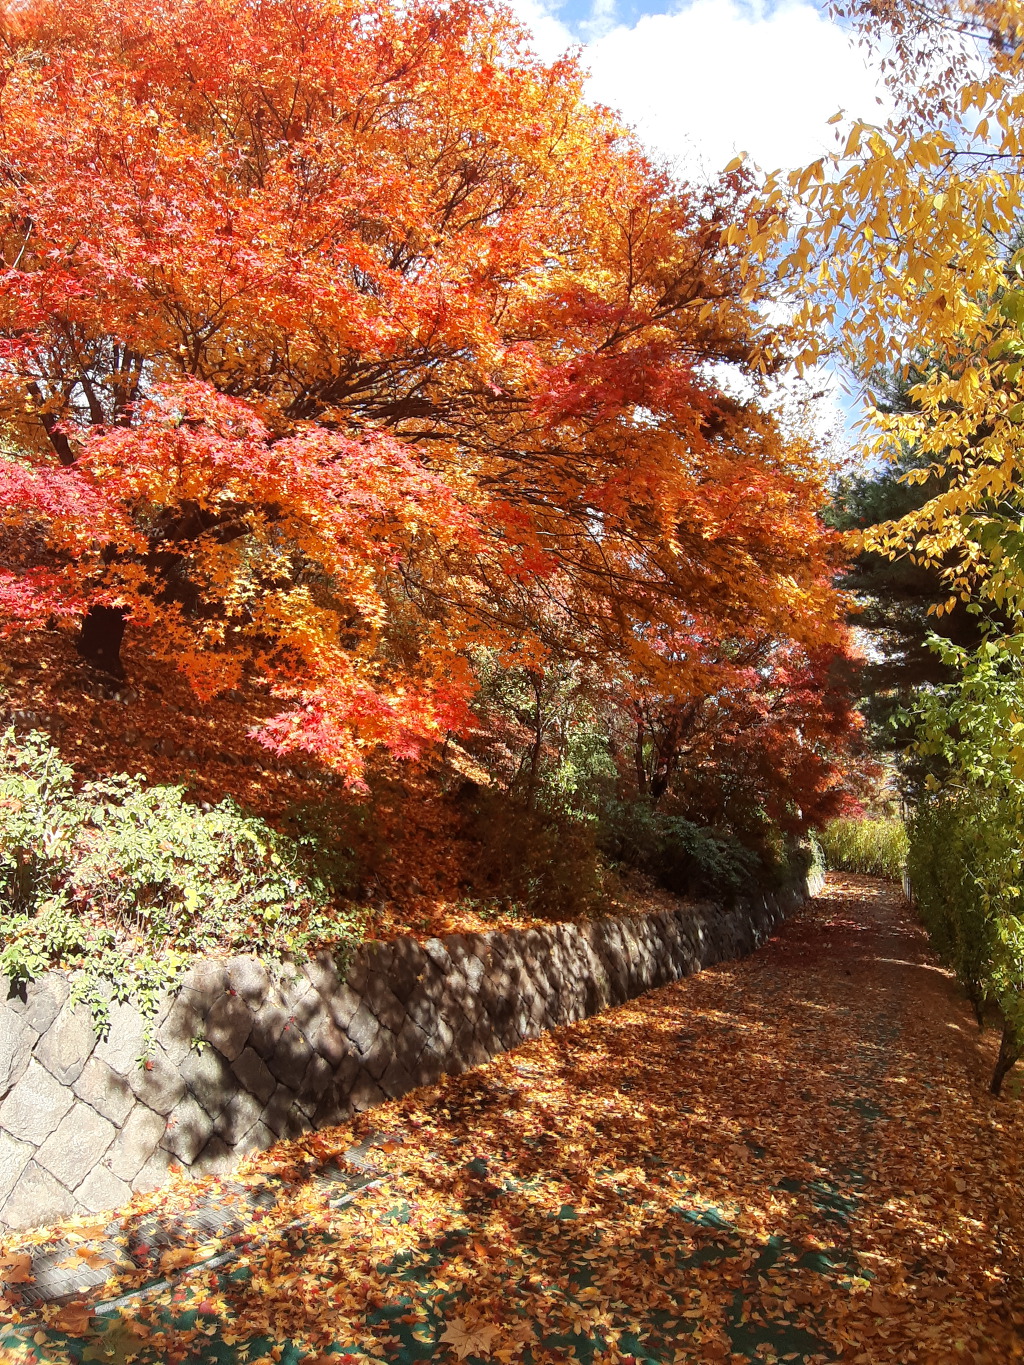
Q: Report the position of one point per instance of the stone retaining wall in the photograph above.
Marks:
(248, 1052)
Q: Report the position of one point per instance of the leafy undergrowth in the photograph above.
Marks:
(791, 1158)
(413, 872)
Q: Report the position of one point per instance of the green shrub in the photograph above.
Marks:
(680, 856)
(875, 847)
(123, 882)
(947, 867)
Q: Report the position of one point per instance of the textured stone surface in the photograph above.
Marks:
(38, 1198)
(136, 1142)
(43, 1000)
(14, 1157)
(124, 1043)
(209, 1078)
(76, 1145)
(228, 1026)
(158, 1082)
(253, 1075)
(101, 1190)
(35, 1106)
(247, 1052)
(104, 1090)
(189, 1128)
(66, 1045)
(17, 1040)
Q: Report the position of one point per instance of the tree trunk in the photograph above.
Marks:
(1009, 1053)
(638, 759)
(99, 640)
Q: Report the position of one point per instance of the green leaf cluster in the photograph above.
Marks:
(123, 883)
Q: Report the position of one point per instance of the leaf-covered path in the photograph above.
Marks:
(792, 1157)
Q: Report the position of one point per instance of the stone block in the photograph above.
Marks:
(342, 1004)
(123, 1043)
(396, 1080)
(76, 1145)
(291, 1056)
(37, 1199)
(102, 1190)
(296, 993)
(365, 1093)
(154, 1173)
(216, 1158)
(67, 1044)
(331, 1042)
(204, 984)
(259, 1138)
(17, 1039)
(430, 1067)
(180, 1028)
(321, 972)
(209, 1079)
(14, 1157)
(136, 1142)
(380, 1053)
(363, 1029)
(249, 979)
(35, 1106)
(317, 1080)
(39, 1002)
(189, 1128)
(239, 1115)
(277, 1112)
(269, 1022)
(157, 1082)
(438, 954)
(409, 1044)
(228, 1025)
(408, 961)
(254, 1075)
(384, 1005)
(422, 1012)
(334, 1108)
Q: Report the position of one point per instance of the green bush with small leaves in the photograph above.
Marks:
(679, 855)
(123, 883)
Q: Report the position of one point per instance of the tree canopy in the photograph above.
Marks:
(340, 342)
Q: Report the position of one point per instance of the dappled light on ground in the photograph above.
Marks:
(792, 1157)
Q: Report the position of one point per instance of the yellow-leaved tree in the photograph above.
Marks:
(903, 251)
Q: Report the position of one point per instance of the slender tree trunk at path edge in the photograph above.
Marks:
(1009, 1052)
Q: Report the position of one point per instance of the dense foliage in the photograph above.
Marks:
(121, 882)
(343, 342)
(907, 254)
(875, 846)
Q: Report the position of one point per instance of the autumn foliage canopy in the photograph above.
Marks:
(342, 342)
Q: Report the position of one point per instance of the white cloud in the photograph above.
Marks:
(550, 36)
(719, 77)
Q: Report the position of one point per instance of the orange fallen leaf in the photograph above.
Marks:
(16, 1268)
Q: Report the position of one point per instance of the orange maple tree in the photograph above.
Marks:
(340, 340)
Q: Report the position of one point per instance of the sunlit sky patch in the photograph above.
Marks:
(704, 80)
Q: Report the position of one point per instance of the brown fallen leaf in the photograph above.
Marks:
(74, 1319)
(466, 1340)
